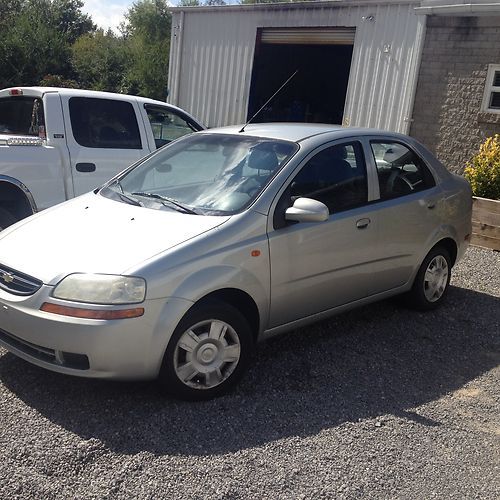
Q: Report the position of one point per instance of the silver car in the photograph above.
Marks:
(177, 266)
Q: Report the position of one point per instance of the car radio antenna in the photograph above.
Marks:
(268, 101)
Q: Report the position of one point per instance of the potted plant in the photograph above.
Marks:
(483, 173)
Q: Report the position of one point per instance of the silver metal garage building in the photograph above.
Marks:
(358, 61)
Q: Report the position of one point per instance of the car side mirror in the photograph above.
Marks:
(307, 210)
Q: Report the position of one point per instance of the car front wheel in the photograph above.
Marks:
(208, 352)
(432, 280)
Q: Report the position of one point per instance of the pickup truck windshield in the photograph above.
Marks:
(214, 174)
(22, 115)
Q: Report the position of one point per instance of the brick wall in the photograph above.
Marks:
(447, 115)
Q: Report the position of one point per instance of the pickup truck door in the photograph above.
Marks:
(166, 123)
(104, 136)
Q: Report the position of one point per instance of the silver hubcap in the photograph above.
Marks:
(436, 278)
(207, 354)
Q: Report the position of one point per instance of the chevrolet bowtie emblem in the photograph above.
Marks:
(7, 277)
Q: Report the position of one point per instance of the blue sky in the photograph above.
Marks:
(107, 13)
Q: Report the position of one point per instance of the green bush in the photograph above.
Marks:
(483, 172)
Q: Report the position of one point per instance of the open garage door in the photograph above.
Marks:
(318, 92)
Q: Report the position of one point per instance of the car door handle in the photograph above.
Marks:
(362, 223)
(85, 167)
(431, 205)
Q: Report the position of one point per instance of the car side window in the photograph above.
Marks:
(167, 125)
(104, 123)
(400, 170)
(336, 176)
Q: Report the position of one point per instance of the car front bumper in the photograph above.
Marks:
(127, 349)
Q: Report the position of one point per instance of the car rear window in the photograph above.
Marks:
(22, 115)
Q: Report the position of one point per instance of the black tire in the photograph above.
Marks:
(6, 219)
(176, 358)
(421, 296)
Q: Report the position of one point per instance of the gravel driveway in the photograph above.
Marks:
(380, 402)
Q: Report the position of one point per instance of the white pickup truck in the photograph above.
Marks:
(57, 143)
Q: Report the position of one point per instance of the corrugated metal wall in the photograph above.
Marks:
(212, 55)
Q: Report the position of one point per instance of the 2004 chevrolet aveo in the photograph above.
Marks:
(177, 266)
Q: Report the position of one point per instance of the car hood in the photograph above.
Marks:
(93, 234)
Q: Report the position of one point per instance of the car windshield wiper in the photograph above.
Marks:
(129, 199)
(164, 200)
(123, 196)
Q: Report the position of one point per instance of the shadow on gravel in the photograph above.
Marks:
(376, 360)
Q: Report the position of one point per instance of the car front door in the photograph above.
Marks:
(316, 266)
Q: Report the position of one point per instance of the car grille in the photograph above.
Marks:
(18, 283)
(59, 358)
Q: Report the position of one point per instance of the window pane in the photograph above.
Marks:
(496, 79)
(166, 125)
(400, 170)
(22, 116)
(495, 100)
(336, 176)
(104, 123)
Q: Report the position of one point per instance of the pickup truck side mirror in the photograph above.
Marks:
(307, 210)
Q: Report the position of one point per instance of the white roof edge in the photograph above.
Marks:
(458, 8)
(292, 5)
(86, 92)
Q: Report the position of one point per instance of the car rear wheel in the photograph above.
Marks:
(6, 219)
(432, 280)
(208, 352)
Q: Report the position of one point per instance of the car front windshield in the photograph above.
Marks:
(214, 174)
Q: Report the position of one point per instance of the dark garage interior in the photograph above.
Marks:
(317, 92)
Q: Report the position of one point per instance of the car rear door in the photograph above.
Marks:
(104, 136)
(407, 211)
(166, 123)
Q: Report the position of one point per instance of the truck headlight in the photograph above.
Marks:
(103, 289)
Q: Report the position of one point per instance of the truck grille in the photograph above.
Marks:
(18, 283)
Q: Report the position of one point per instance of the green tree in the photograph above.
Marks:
(58, 81)
(36, 37)
(147, 35)
(99, 60)
(31, 46)
(70, 20)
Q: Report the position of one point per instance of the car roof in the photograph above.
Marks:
(296, 132)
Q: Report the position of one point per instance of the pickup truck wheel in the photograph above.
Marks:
(6, 219)
(208, 352)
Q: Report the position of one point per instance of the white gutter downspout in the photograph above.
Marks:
(408, 119)
(178, 54)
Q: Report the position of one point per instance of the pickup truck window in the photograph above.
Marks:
(22, 115)
(104, 123)
(167, 125)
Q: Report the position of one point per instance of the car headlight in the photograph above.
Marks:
(101, 289)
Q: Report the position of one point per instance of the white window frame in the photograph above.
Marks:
(489, 88)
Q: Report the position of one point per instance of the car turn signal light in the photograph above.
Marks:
(78, 312)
